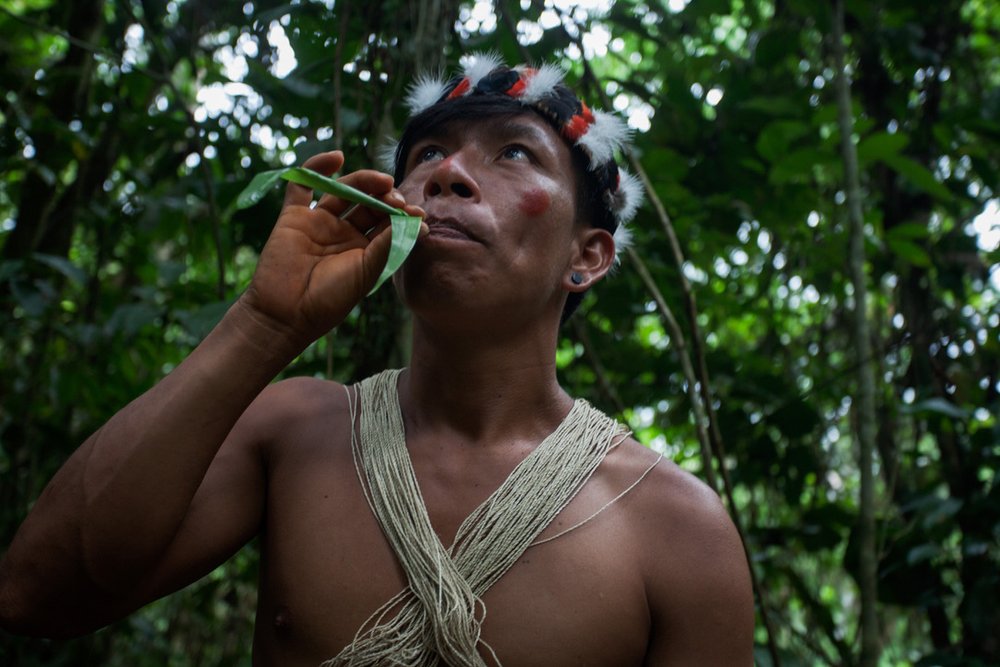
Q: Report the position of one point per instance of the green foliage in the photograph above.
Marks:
(128, 129)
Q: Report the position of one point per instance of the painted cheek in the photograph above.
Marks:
(534, 202)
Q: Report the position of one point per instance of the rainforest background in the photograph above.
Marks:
(809, 324)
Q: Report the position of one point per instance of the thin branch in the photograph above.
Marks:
(504, 9)
(607, 388)
(679, 345)
(867, 579)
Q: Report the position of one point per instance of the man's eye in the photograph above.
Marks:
(516, 153)
(430, 154)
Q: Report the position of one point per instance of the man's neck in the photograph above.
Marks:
(484, 388)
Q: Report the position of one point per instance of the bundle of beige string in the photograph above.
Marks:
(438, 617)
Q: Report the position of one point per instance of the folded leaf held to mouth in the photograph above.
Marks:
(405, 228)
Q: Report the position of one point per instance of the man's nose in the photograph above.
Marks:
(453, 176)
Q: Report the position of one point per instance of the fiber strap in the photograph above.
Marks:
(438, 617)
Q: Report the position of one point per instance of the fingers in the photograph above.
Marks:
(370, 182)
(375, 183)
(373, 223)
(363, 218)
(376, 255)
(413, 209)
(324, 163)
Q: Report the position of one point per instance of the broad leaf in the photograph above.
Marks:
(881, 146)
(405, 228)
(318, 181)
(918, 175)
(258, 187)
(909, 251)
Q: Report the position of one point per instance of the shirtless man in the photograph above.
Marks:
(520, 193)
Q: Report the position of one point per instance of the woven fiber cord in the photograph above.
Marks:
(437, 619)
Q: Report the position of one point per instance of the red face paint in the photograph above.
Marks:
(534, 203)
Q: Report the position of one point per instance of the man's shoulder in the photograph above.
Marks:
(298, 397)
(688, 547)
(672, 507)
(666, 490)
(303, 392)
(297, 410)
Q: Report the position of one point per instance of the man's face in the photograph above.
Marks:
(500, 197)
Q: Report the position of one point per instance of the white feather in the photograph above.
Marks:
(540, 86)
(607, 134)
(385, 156)
(481, 64)
(623, 241)
(425, 91)
(628, 199)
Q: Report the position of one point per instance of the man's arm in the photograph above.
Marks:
(698, 581)
(103, 537)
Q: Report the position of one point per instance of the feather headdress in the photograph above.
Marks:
(599, 135)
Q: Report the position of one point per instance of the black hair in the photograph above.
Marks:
(590, 208)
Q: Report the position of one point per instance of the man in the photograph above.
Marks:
(465, 511)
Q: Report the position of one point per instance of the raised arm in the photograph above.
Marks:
(102, 538)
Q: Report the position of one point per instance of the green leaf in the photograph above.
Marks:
(776, 45)
(63, 266)
(33, 301)
(908, 230)
(799, 165)
(909, 251)
(258, 187)
(941, 513)
(881, 146)
(318, 181)
(936, 405)
(923, 552)
(263, 181)
(405, 229)
(773, 105)
(776, 137)
(200, 320)
(918, 175)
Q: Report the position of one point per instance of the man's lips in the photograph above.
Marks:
(448, 228)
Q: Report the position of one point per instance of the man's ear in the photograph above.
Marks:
(594, 257)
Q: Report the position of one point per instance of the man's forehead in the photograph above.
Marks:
(526, 125)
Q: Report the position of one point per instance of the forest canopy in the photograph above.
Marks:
(782, 279)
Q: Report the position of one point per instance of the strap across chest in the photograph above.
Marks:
(437, 619)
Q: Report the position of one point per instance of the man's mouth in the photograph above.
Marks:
(448, 228)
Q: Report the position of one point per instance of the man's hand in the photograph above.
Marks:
(317, 266)
(145, 505)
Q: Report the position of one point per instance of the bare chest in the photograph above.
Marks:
(327, 567)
